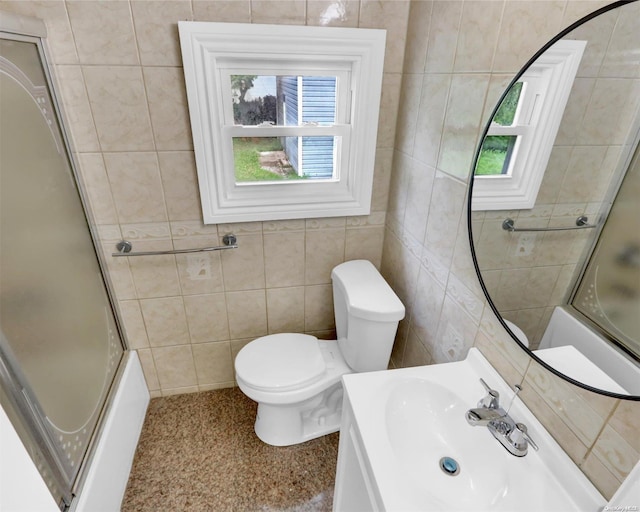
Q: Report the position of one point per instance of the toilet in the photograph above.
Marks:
(296, 378)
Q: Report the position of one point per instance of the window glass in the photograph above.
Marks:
(283, 100)
(506, 114)
(496, 155)
(260, 159)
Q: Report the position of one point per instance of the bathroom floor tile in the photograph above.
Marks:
(198, 452)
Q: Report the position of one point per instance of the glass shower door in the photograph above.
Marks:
(58, 335)
(609, 292)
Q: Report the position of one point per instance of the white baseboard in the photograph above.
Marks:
(107, 476)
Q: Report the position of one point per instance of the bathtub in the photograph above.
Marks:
(565, 329)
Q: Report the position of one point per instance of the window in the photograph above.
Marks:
(284, 118)
(518, 144)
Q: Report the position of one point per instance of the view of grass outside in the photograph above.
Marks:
(496, 151)
(261, 159)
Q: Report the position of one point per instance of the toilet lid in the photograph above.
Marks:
(280, 362)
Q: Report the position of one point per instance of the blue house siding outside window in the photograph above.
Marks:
(310, 156)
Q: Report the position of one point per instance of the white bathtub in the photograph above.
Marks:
(565, 329)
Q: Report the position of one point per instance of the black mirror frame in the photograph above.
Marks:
(563, 33)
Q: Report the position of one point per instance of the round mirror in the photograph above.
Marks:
(554, 206)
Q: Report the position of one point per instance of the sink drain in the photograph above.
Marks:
(449, 466)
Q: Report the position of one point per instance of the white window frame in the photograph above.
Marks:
(213, 51)
(551, 77)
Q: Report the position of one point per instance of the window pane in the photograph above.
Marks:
(495, 155)
(505, 116)
(283, 100)
(284, 158)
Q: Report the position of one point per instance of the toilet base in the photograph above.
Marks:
(285, 425)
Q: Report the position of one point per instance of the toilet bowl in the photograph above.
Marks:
(296, 378)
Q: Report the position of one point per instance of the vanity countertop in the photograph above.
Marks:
(407, 420)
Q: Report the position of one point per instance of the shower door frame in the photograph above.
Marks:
(23, 407)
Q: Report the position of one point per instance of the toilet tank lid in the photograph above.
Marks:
(368, 295)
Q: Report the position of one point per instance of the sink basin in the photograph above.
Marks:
(426, 422)
(410, 420)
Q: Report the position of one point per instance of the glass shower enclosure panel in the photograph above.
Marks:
(57, 328)
(609, 292)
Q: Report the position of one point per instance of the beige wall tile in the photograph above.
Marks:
(430, 120)
(285, 309)
(166, 322)
(324, 249)
(175, 368)
(76, 108)
(119, 106)
(247, 312)
(389, 103)
(496, 357)
(213, 363)
(167, 98)
(133, 324)
(478, 37)
(97, 186)
(462, 123)
(119, 273)
(625, 421)
(418, 199)
(149, 369)
(199, 272)
(243, 268)
(236, 11)
(157, 30)
(284, 258)
(443, 36)
(103, 32)
(280, 12)
(615, 453)
(415, 354)
(136, 186)
(418, 28)
(580, 412)
(180, 185)
(391, 15)
(526, 25)
(154, 276)
(444, 214)
(207, 317)
(318, 308)
(381, 180)
(602, 478)
(425, 311)
(332, 13)
(364, 244)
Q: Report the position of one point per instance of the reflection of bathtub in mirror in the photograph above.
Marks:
(565, 330)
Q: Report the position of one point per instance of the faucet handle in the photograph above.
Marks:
(492, 399)
(520, 436)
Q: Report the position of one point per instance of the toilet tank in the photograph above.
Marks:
(367, 313)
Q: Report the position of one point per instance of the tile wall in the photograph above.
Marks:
(118, 67)
(460, 55)
(119, 70)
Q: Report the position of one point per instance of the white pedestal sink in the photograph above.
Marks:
(398, 425)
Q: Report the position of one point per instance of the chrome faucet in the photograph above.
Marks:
(513, 436)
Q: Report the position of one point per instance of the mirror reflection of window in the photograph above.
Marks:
(497, 151)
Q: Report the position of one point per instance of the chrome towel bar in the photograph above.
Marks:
(582, 222)
(124, 248)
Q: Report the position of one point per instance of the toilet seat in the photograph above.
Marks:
(281, 362)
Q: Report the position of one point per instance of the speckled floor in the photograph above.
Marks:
(198, 452)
